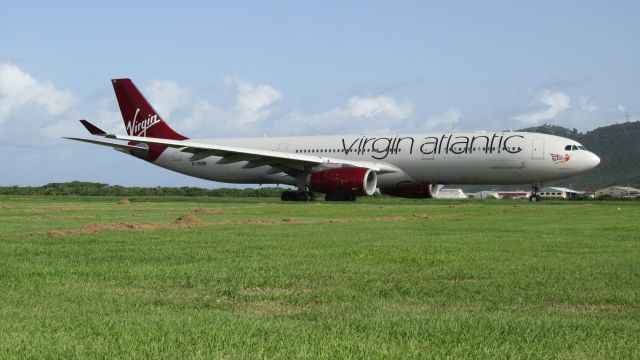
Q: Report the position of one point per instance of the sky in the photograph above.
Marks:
(278, 68)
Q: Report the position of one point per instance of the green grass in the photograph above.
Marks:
(473, 279)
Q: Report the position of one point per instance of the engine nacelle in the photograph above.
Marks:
(417, 191)
(345, 180)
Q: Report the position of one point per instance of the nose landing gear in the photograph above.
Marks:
(535, 189)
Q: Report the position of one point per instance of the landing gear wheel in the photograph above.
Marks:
(299, 195)
(535, 189)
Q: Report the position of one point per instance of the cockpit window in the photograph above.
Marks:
(574, 147)
(581, 147)
(568, 147)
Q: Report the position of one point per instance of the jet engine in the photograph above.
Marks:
(347, 181)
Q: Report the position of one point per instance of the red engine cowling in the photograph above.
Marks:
(417, 191)
(345, 180)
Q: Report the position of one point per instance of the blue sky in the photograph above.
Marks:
(254, 68)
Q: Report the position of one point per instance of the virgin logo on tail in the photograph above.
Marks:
(139, 128)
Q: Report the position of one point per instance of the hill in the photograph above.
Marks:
(616, 145)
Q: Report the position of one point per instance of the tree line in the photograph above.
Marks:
(99, 189)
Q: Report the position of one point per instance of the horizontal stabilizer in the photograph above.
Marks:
(94, 130)
(110, 144)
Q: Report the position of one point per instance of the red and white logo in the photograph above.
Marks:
(559, 158)
(139, 128)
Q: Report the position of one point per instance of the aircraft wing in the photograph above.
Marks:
(106, 143)
(278, 161)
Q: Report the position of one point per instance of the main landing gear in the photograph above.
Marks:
(298, 195)
(535, 189)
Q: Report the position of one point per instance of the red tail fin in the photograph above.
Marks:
(139, 117)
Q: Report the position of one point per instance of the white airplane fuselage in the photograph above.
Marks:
(448, 158)
(343, 167)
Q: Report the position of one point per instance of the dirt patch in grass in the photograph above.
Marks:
(260, 222)
(595, 309)
(3, 206)
(63, 209)
(290, 220)
(340, 220)
(49, 217)
(124, 202)
(188, 220)
(285, 221)
(422, 216)
(209, 211)
(63, 217)
(391, 218)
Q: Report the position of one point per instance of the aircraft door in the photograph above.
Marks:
(283, 146)
(537, 149)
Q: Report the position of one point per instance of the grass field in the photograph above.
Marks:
(254, 278)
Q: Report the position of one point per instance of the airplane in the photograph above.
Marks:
(345, 167)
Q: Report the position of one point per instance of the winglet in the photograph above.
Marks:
(94, 130)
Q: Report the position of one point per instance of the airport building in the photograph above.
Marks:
(554, 192)
(619, 192)
(486, 194)
(451, 194)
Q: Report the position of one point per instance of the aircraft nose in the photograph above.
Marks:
(594, 160)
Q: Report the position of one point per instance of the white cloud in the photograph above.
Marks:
(448, 119)
(108, 115)
(203, 113)
(166, 96)
(21, 92)
(555, 102)
(373, 114)
(587, 104)
(253, 102)
(380, 105)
